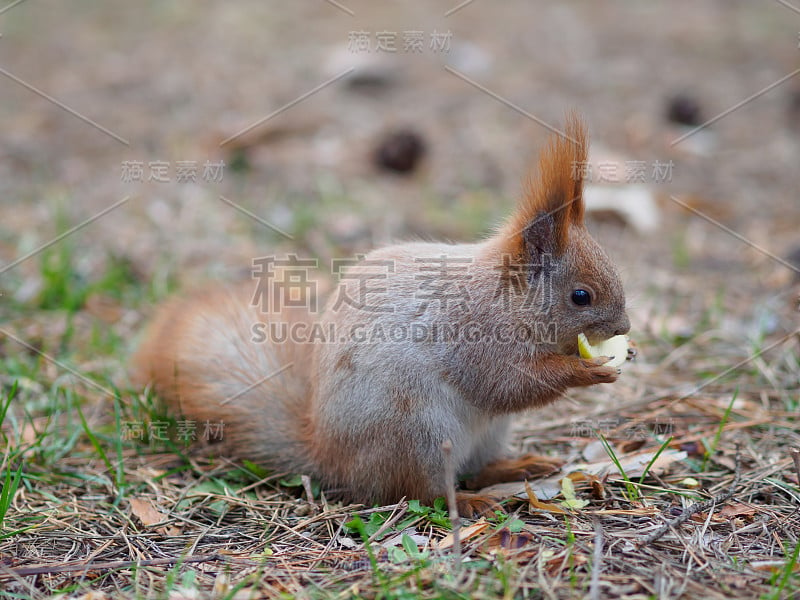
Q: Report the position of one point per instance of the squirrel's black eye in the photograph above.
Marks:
(581, 298)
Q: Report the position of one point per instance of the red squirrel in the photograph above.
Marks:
(449, 343)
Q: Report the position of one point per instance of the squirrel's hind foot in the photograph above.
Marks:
(529, 466)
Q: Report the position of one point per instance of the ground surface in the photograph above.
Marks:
(87, 247)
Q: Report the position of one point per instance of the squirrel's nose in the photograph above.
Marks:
(624, 327)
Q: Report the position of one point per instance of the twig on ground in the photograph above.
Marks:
(695, 508)
(308, 490)
(594, 586)
(398, 512)
(106, 566)
(796, 458)
(450, 486)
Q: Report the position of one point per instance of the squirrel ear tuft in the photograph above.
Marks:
(553, 194)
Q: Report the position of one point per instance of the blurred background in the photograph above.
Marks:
(185, 139)
(147, 147)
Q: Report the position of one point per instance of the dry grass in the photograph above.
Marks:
(87, 510)
(123, 519)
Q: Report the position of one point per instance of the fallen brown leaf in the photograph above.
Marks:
(537, 504)
(507, 542)
(556, 565)
(149, 515)
(146, 512)
(465, 534)
(598, 491)
(735, 510)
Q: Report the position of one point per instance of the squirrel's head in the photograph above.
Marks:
(560, 281)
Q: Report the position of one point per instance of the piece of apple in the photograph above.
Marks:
(615, 347)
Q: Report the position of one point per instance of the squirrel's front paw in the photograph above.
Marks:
(594, 371)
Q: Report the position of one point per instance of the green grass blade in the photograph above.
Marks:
(655, 457)
(7, 493)
(120, 470)
(12, 393)
(788, 571)
(629, 485)
(718, 435)
(94, 441)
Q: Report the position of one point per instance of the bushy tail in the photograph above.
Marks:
(203, 360)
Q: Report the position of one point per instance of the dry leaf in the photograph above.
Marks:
(506, 542)
(634, 465)
(598, 491)
(594, 451)
(421, 541)
(568, 490)
(183, 593)
(693, 448)
(773, 566)
(545, 489)
(147, 513)
(535, 503)
(550, 487)
(556, 565)
(638, 512)
(628, 446)
(93, 595)
(222, 584)
(465, 534)
(689, 482)
(736, 510)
